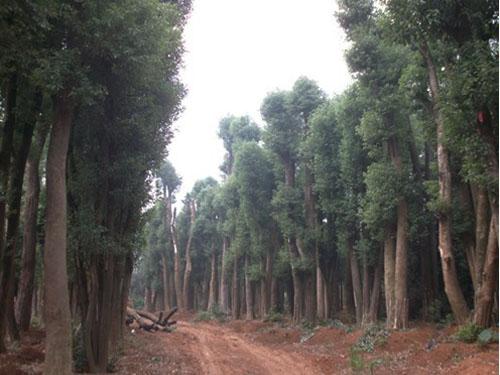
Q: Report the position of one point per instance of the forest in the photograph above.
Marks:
(374, 207)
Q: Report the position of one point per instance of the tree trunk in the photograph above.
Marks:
(5, 158)
(30, 215)
(320, 290)
(248, 291)
(164, 279)
(58, 356)
(177, 265)
(235, 306)
(389, 273)
(356, 284)
(375, 292)
(189, 266)
(212, 298)
(224, 290)
(451, 284)
(401, 265)
(484, 297)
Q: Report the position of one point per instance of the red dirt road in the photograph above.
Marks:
(221, 351)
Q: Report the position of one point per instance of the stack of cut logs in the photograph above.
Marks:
(150, 322)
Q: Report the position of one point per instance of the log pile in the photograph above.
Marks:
(150, 322)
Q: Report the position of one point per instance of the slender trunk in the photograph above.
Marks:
(389, 270)
(401, 266)
(30, 214)
(189, 266)
(320, 290)
(164, 279)
(148, 298)
(5, 158)
(484, 297)
(366, 291)
(213, 279)
(482, 233)
(224, 290)
(58, 356)
(356, 284)
(375, 293)
(235, 290)
(248, 291)
(177, 265)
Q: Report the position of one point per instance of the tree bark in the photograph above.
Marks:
(189, 266)
(58, 356)
(375, 292)
(401, 265)
(235, 306)
(248, 291)
(484, 297)
(30, 215)
(389, 274)
(451, 284)
(212, 298)
(5, 158)
(177, 265)
(164, 279)
(224, 290)
(356, 284)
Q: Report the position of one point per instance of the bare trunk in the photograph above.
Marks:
(484, 297)
(213, 280)
(235, 290)
(224, 290)
(320, 290)
(375, 292)
(164, 279)
(30, 214)
(5, 160)
(248, 291)
(189, 266)
(177, 266)
(389, 270)
(356, 284)
(401, 265)
(58, 356)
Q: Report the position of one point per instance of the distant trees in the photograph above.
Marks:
(336, 204)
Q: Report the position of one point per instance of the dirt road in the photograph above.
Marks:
(219, 351)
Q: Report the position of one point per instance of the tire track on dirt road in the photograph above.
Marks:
(221, 351)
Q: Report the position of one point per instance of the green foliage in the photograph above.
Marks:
(214, 314)
(356, 360)
(372, 337)
(274, 317)
(468, 333)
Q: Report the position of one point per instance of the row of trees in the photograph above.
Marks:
(387, 192)
(89, 93)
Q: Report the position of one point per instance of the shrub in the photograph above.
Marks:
(356, 359)
(468, 333)
(372, 337)
(274, 317)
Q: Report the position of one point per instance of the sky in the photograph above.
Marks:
(237, 51)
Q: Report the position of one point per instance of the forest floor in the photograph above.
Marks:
(255, 347)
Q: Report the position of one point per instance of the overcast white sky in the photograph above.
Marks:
(236, 52)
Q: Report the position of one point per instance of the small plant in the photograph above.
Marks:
(372, 337)
(274, 317)
(213, 314)
(356, 359)
(203, 316)
(468, 333)
(487, 336)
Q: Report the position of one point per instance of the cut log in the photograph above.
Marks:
(149, 321)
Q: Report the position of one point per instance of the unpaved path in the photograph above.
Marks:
(219, 351)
